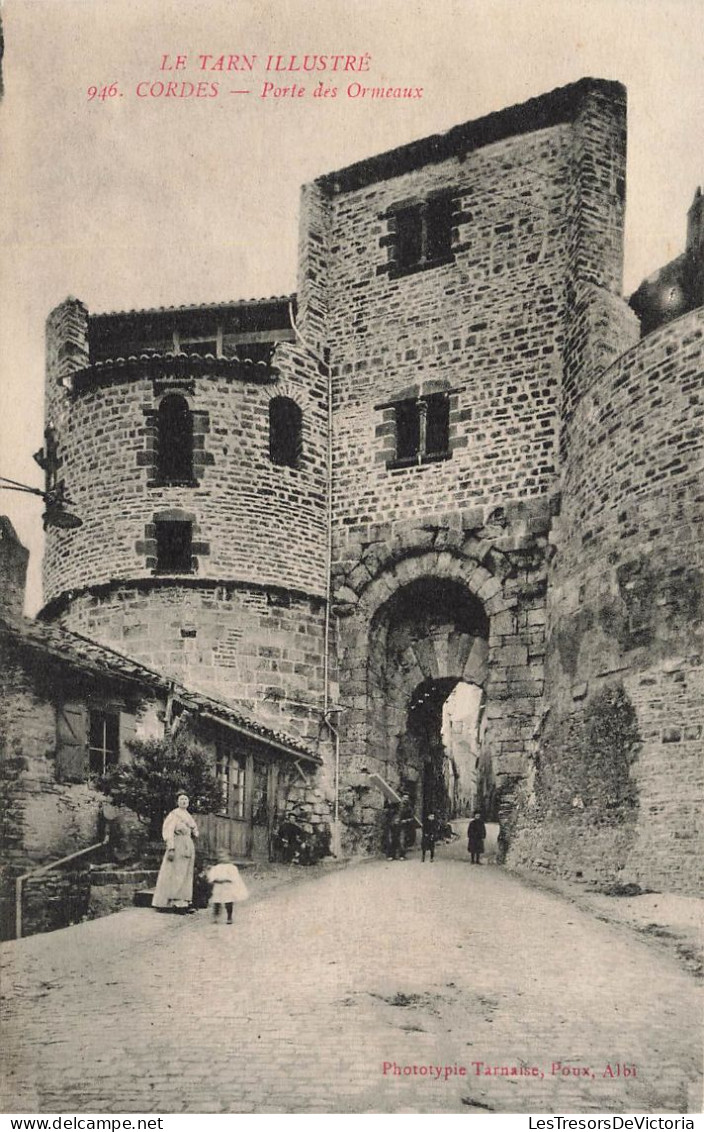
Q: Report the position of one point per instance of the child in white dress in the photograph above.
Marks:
(227, 885)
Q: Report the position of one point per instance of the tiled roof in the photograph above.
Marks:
(551, 109)
(80, 652)
(232, 304)
(171, 365)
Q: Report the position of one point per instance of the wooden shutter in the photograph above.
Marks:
(71, 743)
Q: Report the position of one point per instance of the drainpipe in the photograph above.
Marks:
(19, 881)
(325, 370)
(325, 365)
(336, 829)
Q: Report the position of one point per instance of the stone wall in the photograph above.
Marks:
(562, 511)
(259, 646)
(508, 329)
(536, 215)
(492, 559)
(44, 818)
(13, 569)
(626, 609)
(254, 520)
(246, 622)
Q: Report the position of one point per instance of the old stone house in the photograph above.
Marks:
(68, 712)
(454, 456)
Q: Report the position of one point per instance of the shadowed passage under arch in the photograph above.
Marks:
(428, 637)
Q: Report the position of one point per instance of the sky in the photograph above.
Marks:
(127, 201)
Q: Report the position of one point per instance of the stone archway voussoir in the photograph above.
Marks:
(477, 579)
(475, 671)
(426, 658)
(449, 565)
(441, 645)
(499, 603)
(489, 588)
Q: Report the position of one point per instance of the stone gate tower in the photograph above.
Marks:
(193, 443)
(458, 463)
(473, 280)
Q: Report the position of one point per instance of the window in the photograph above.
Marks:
(259, 353)
(200, 346)
(260, 793)
(230, 775)
(422, 429)
(103, 741)
(174, 546)
(423, 235)
(285, 420)
(174, 440)
(407, 430)
(437, 425)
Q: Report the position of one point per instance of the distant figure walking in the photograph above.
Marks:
(476, 832)
(174, 885)
(429, 835)
(228, 888)
(392, 830)
(406, 821)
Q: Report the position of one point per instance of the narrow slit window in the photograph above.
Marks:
(409, 237)
(285, 421)
(175, 440)
(437, 428)
(407, 430)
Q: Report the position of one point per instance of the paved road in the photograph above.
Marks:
(320, 987)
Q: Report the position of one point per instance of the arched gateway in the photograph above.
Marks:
(428, 636)
(420, 627)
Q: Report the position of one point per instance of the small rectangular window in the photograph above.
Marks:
(230, 774)
(423, 234)
(422, 429)
(438, 229)
(407, 430)
(174, 541)
(103, 741)
(437, 427)
(200, 346)
(409, 237)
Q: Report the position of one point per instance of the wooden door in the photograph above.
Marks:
(220, 832)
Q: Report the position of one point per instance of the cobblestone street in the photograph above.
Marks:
(299, 1005)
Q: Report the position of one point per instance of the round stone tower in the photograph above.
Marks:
(619, 778)
(192, 443)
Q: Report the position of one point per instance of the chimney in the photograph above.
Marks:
(695, 251)
(695, 223)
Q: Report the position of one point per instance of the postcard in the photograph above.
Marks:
(350, 540)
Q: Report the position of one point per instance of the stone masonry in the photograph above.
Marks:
(497, 482)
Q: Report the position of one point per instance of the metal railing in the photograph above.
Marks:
(19, 881)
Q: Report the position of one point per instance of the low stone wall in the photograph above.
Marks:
(55, 900)
(112, 889)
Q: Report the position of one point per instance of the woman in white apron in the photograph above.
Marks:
(174, 885)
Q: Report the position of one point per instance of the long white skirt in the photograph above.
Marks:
(174, 885)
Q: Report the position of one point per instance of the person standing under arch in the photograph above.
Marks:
(476, 833)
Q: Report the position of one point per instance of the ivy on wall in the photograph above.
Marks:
(586, 760)
(12, 767)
